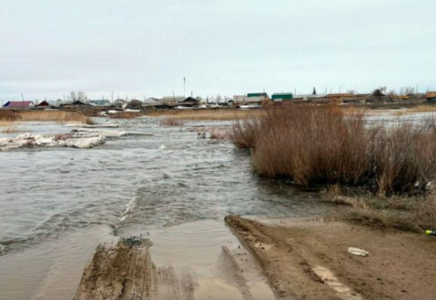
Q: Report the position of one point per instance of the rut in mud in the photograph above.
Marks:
(126, 271)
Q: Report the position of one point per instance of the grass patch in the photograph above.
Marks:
(417, 109)
(54, 115)
(8, 115)
(321, 146)
(415, 214)
(206, 114)
(125, 115)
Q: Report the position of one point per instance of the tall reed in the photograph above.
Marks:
(317, 146)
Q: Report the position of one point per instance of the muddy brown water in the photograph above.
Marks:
(57, 205)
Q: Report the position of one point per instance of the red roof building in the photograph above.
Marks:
(19, 104)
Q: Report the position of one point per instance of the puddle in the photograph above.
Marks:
(220, 267)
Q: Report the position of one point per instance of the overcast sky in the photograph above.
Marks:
(142, 47)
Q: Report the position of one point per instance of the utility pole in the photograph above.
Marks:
(184, 87)
(22, 97)
(112, 97)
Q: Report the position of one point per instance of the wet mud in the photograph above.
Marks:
(309, 260)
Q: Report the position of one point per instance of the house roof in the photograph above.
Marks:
(99, 102)
(191, 99)
(18, 104)
(430, 95)
(43, 103)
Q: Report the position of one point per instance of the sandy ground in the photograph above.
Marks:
(310, 260)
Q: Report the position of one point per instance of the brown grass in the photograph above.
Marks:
(318, 146)
(54, 115)
(417, 109)
(405, 213)
(8, 115)
(167, 122)
(125, 115)
(9, 127)
(207, 114)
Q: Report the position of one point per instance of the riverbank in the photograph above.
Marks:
(306, 259)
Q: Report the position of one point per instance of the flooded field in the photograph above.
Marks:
(58, 204)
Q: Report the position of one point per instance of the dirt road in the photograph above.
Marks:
(309, 260)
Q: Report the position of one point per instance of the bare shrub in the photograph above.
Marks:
(54, 115)
(171, 122)
(244, 132)
(317, 146)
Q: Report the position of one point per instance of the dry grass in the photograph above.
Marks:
(9, 115)
(125, 115)
(54, 115)
(405, 213)
(167, 122)
(417, 109)
(319, 146)
(210, 114)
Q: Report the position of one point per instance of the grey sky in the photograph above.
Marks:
(142, 47)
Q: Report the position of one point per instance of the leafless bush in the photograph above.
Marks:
(317, 146)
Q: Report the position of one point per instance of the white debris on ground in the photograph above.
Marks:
(357, 251)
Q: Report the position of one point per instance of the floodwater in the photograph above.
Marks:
(58, 204)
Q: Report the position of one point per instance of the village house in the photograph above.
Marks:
(102, 102)
(43, 104)
(172, 101)
(251, 99)
(19, 104)
(190, 102)
(152, 102)
(279, 97)
(430, 97)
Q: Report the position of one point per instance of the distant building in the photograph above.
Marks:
(190, 102)
(43, 104)
(172, 100)
(430, 96)
(135, 104)
(250, 99)
(152, 102)
(279, 97)
(19, 104)
(80, 102)
(102, 102)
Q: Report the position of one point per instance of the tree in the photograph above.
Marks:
(314, 91)
(407, 90)
(382, 89)
(81, 96)
(392, 93)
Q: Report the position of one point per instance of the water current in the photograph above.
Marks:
(57, 204)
